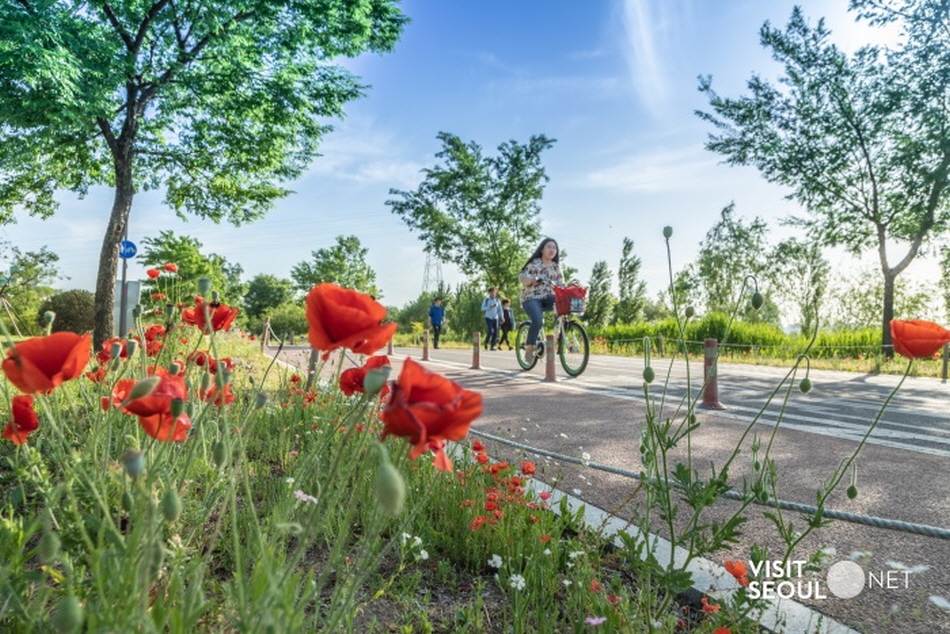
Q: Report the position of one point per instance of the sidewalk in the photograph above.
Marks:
(892, 483)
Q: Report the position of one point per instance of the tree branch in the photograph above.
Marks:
(143, 28)
(114, 21)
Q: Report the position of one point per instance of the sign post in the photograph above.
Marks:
(126, 250)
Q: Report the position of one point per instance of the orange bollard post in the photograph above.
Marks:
(425, 345)
(476, 364)
(711, 380)
(389, 347)
(549, 375)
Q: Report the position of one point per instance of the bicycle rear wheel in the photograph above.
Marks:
(574, 348)
(521, 339)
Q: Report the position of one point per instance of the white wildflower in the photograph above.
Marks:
(422, 555)
(585, 458)
(576, 492)
(495, 561)
(303, 497)
(567, 582)
(517, 582)
(289, 480)
(547, 551)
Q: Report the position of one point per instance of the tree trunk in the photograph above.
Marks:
(109, 256)
(887, 349)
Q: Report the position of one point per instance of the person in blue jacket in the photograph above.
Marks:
(436, 318)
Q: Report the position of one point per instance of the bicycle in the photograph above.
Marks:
(573, 344)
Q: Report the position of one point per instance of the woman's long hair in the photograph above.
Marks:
(537, 252)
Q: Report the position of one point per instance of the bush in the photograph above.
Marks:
(75, 311)
(288, 318)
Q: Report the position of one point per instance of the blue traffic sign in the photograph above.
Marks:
(127, 249)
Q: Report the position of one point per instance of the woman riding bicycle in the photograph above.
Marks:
(540, 274)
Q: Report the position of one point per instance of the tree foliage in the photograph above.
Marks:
(215, 101)
(343, 263)
(854, 301)
(632, 290)
(25, 283)
(798, 274)
(185, 252)
(479, 212)
(600, 301)
(73, 310)
(731, 251)
(862, 141)
(266, 291)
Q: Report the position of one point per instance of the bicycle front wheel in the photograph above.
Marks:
(521, 339)
(574, 348)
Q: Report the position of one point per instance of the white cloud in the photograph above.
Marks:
(656, 171)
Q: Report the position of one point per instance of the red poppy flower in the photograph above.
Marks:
(918, 339)
(425, 407)
(153, 333)
(200, 357)
(528, 468)
(351, 380)
(345, 318)
(222, 315)
(158, 296)
(155, 410)
(121, 391)
(738, 570)
(224, 362)
(153, 273)
(97, 375)
(41, 364)
(171, 267)
(221, 398)
(105, 353)
(722, 630)
(24, 420)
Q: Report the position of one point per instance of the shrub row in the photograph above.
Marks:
(741, 338)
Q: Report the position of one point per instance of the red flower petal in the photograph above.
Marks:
(918, 339)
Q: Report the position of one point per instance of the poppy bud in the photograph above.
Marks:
(215, 297)
(69, 615)
(261, 400)
(174, 368)
(134, 462)
(177, 407)
(127, 502)
(225, 376)
(220, 380)
(115, 350)
(648, 374)
(205, 381)
(132, 347)
(852, 492)
(390, 488)
(136, 311)
(805, 385)
(667, 232)
(757, 300)
(49, 546)
(49, 317)
(171, 505)
(220, 453)
(204, 286)
(690, 311)
(375, 379)
(169, 311)
(143, 388)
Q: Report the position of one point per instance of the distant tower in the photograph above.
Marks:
(432, 279)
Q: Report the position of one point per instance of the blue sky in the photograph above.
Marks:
(614, 81)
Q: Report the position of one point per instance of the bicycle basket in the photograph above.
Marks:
(570, 299)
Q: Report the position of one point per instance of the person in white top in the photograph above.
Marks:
(540, 274)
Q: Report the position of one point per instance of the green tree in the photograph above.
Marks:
(798, 274)
(185, 252)
(600, 301)
(266, 291)
(944, 282)
(731, 251)
(216, 101)
(479, 212)
(854, 300)
(862, 141)
(343, 263)
(25, 283)
(632, 290)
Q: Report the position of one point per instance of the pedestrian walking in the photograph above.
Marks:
(491, 308)
(436, 319)
(507, 323)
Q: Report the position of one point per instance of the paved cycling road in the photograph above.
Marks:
(841, 404)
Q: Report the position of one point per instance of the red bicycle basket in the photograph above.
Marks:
(569, 299)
